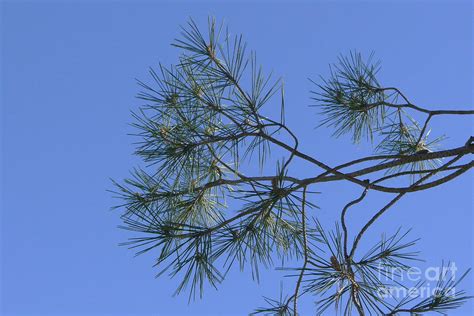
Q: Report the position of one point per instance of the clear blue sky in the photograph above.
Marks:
(68, 86)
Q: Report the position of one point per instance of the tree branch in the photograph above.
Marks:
(393, 201)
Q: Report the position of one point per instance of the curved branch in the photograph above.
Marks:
(343, 215)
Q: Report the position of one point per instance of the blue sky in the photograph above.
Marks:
(68, 85)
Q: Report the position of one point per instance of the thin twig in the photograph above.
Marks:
(343, 217)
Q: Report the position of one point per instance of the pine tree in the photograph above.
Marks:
(200, 211)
